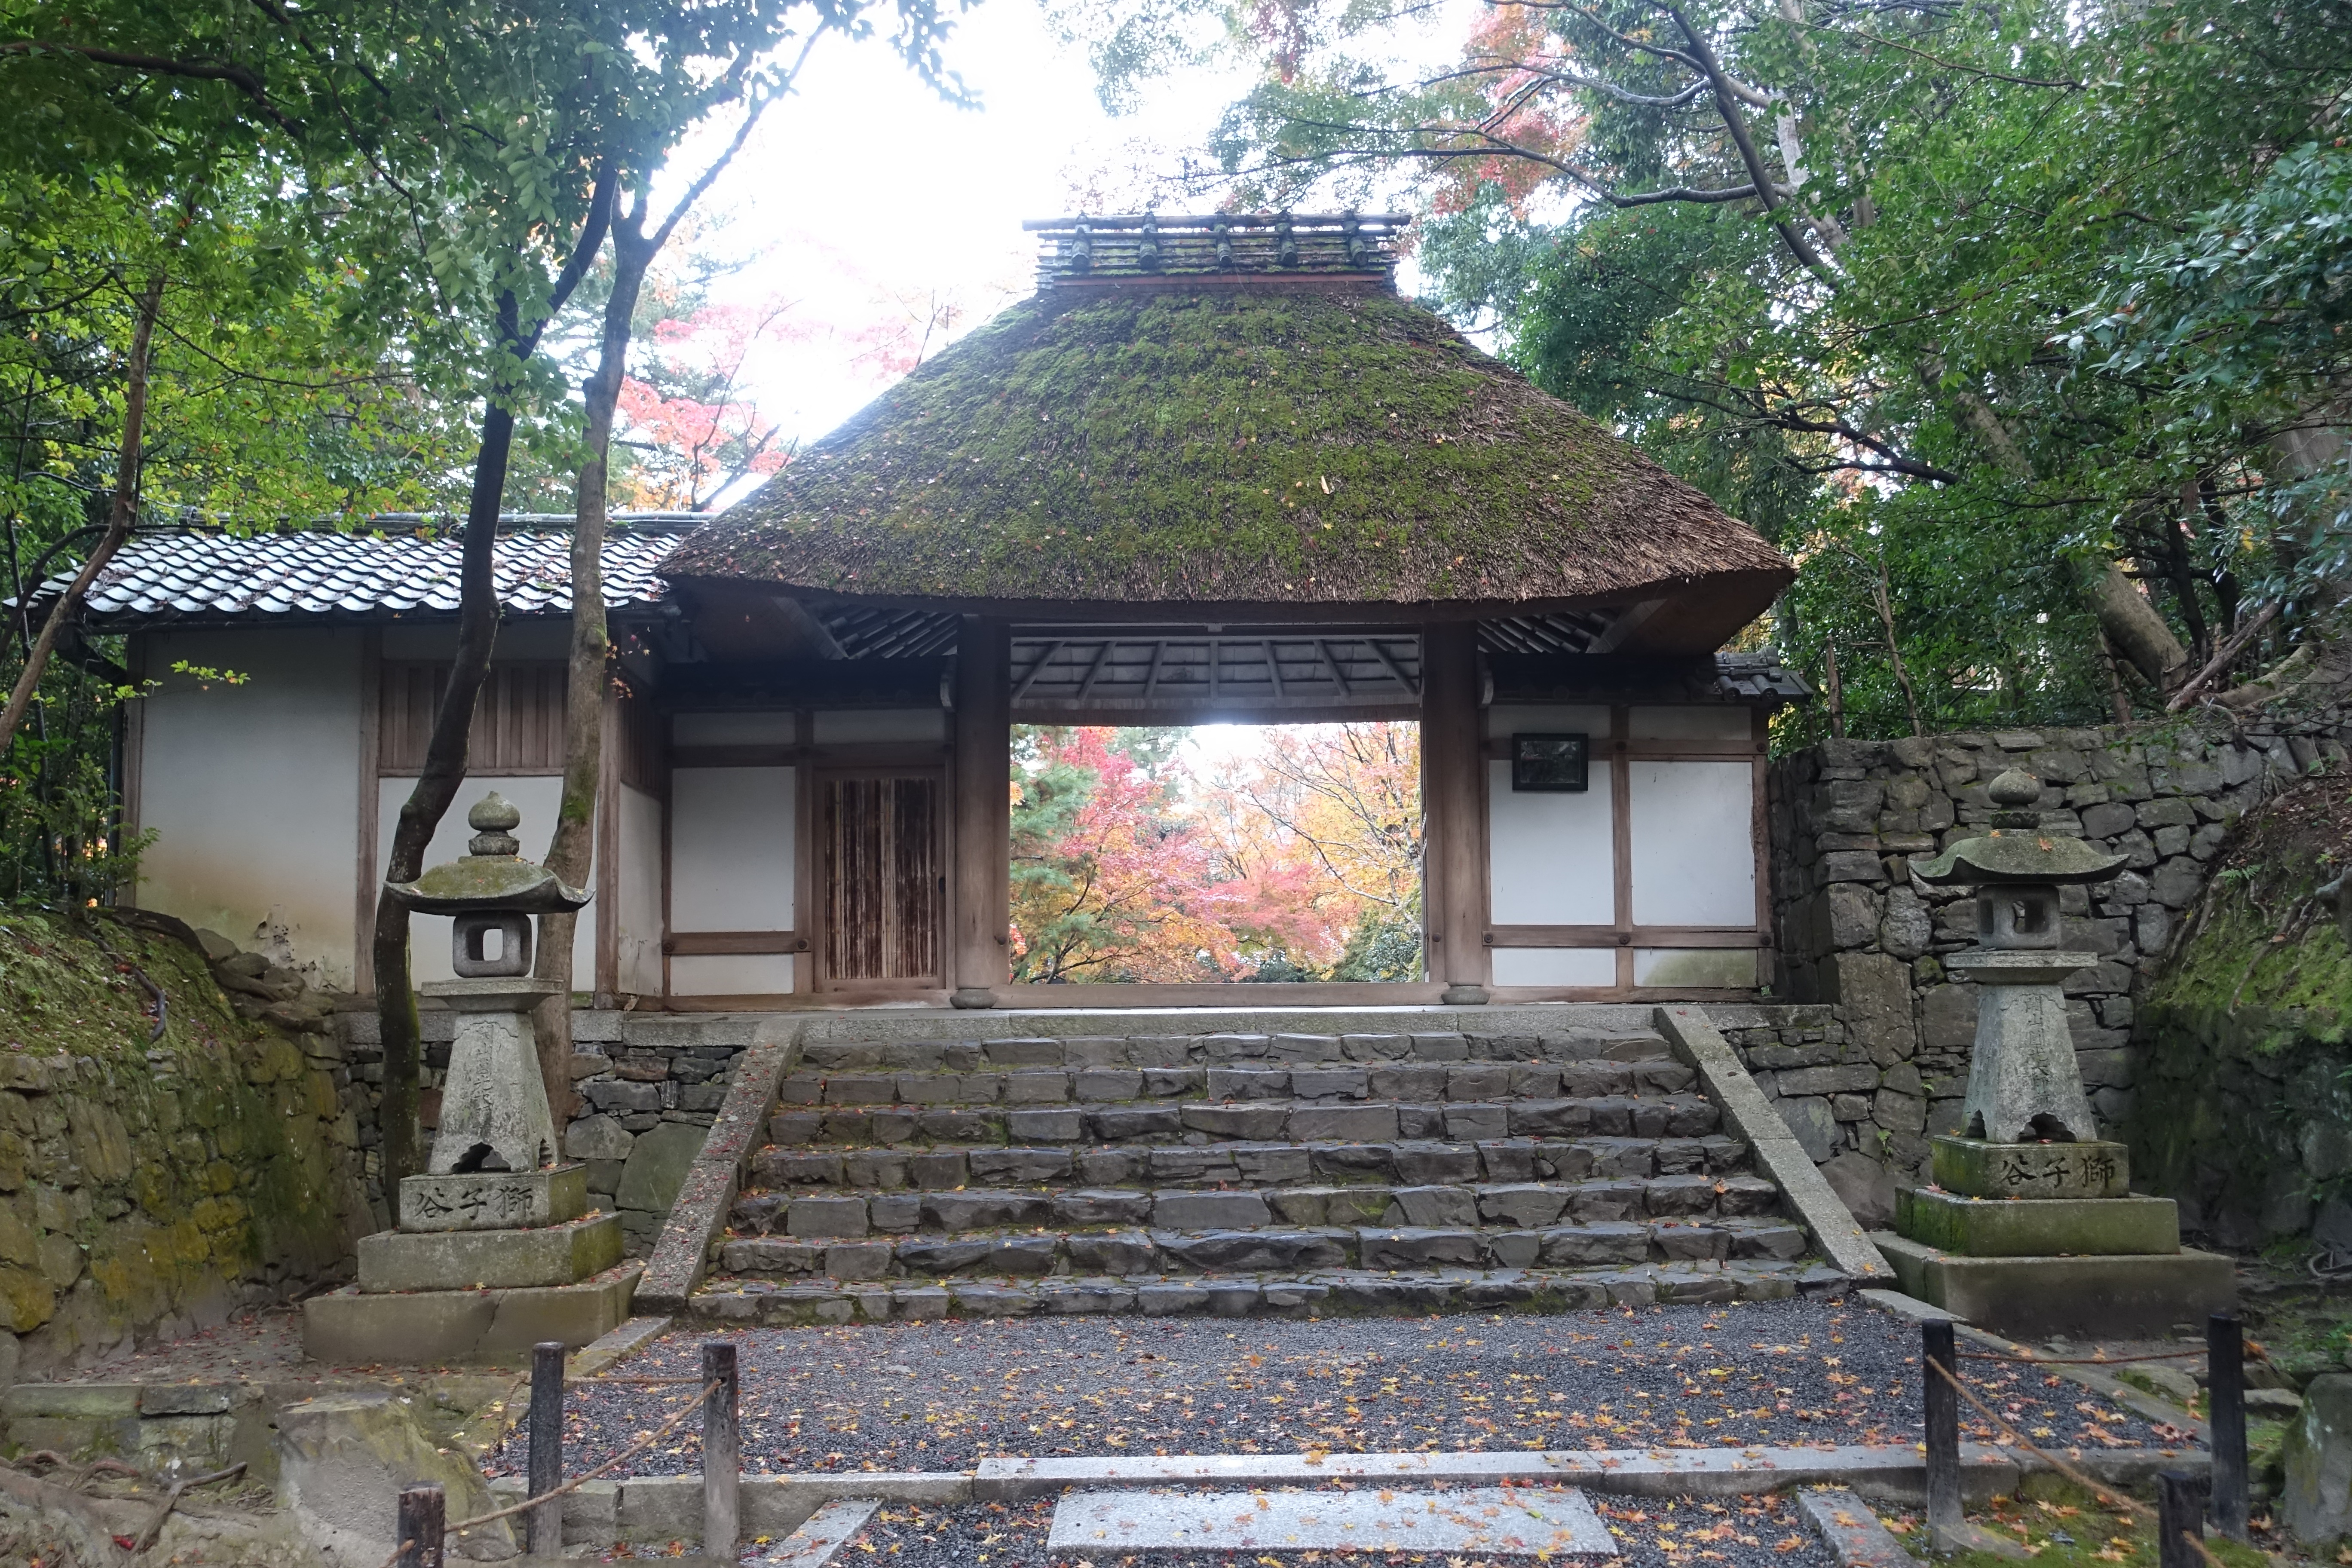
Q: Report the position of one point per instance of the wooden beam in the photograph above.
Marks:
(1453, 779)
(371, 742)
(606, 911)
(980, 840)
(708, 944)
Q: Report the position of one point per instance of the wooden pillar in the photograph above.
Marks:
(1453, 795)
(977, 954)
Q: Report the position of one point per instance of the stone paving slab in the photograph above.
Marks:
(1852, 1530)
(1495, 1522)
(816, 1543)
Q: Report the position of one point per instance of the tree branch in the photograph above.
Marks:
(236, 76)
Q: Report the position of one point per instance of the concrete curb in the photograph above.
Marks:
(1752, 1117)
(662, 1508)
(682, 1252)
(1852, 1530)
(601, 1355)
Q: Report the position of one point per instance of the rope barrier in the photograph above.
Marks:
(647, 1441)
(2101, 1493)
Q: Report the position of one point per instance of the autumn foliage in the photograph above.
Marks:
(1298, 859)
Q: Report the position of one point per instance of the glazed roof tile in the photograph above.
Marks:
(211, 575)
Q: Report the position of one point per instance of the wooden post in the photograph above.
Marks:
(1945, 1522)
(2225, 1422)
(2179, 1519)
(977, 956)
(423, 1519)
(1453, 785)
(722, 1455)
(546, 1521)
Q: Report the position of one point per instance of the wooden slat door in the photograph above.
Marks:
(883, 878)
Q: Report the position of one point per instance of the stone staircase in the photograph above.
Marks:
(1235, 1172)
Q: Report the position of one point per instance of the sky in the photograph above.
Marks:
(865, 200)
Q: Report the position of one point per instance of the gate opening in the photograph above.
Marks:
(1216, 852)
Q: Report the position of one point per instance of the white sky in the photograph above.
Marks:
(865, 199)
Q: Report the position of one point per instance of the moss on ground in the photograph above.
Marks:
(2063, 1526)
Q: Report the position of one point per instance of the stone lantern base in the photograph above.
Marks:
(487, 1262)
(2039, 1239)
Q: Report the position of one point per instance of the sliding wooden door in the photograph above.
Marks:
(883, 878)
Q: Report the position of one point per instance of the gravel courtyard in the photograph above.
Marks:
(943, 1395)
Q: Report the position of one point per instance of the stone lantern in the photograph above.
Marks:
(2030, 1225)
(495, 1250)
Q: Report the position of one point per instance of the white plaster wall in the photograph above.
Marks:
(731, 974)
(537, 798)
(1549, 856)
(1694, 850)
(639, 937)
(1505, 721)
(254, 791)
(1555, 966)
(730, 849)
(1699, 721)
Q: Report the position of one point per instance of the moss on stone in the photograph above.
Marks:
(1257, 445)
(141, 1176)
(2246, 1092)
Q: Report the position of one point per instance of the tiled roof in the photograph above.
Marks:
(208, 575)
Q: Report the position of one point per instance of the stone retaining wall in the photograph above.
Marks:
(1875, 1055)
(150, 1184)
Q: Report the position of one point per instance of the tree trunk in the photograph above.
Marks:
(2137, 631)
(437, 784)
(571, 852)
(121, 513)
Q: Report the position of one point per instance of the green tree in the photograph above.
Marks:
(1830, 260)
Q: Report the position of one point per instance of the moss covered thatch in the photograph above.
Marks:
(1253, 446)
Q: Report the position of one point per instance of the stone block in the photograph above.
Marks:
(343, 1461)
(2176, 882)
(393, 1260)
(657, 1165)
(1851, 865)
(1873, 993)
(1180, 1210)
(1340, 1123)
(1410, 1246)
(349, 1327)
(2109, 1297)
(2037, 1227)
(1812, 1125)
(1845, 1079)
(1975, 1167)
(494, 1200)
(2316, 1505)
(597, 1137)
(827, 1217)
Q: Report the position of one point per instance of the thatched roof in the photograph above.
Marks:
(1307, 442)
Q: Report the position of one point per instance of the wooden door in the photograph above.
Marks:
(884, 877)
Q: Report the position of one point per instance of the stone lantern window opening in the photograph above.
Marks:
(490, 945)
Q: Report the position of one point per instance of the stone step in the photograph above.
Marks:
(1250, 1121)
(946, 1167)
(1517, 1204)
(1323, 1293)
(1306, 1248)
(1183, 1050)
(1320, 1083)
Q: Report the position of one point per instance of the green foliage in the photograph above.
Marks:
(1955, 304)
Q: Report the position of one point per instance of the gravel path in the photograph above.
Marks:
(1747, 1532)
(943, 1395)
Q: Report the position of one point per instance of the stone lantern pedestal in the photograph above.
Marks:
(495, 1250)
(2030, 1226)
